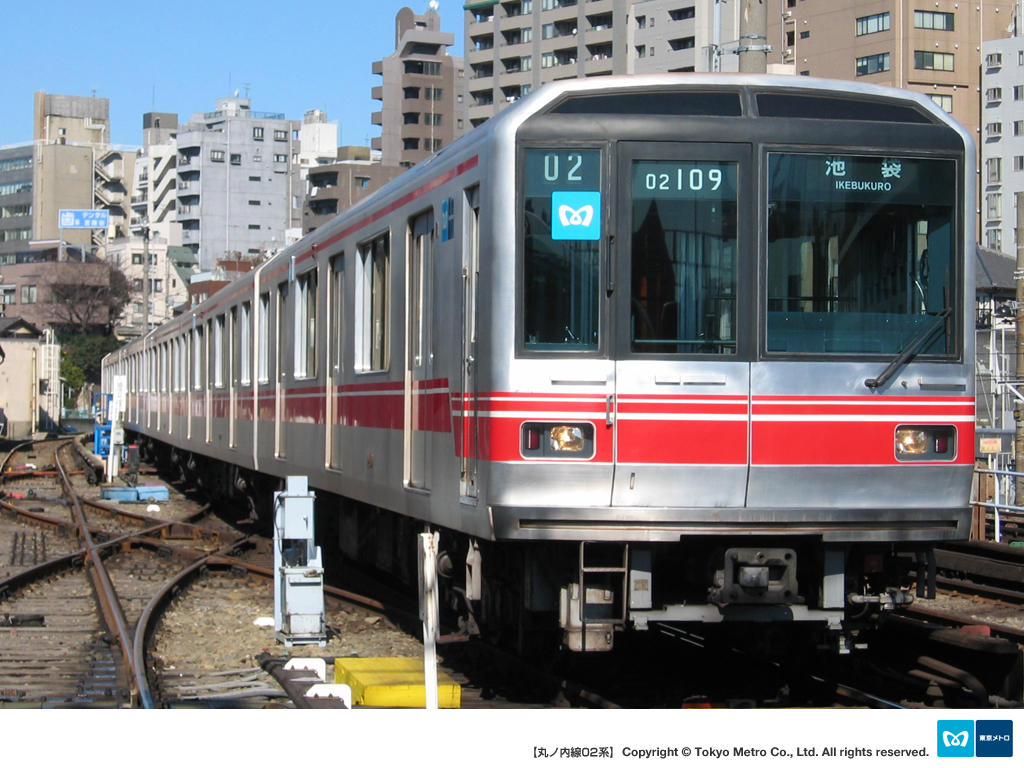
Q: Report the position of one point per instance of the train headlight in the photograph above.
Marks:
(925, 442)
(566, 439)
(911, 441)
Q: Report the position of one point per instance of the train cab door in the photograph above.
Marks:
(419, 357)
(682, 372)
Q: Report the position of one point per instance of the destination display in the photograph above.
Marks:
(835, 177)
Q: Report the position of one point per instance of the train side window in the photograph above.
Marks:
(373, 288)
(305, 325)
(562, 229)
(263, 338)
(282, 332)
(245, 344)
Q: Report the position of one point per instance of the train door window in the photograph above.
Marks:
(282, 331)
(373, 305)
(562, 234)
(197, 358)
(683, 273)
(420, 230)
(861, 254)
(263, 339)
(337, 311)
(245, 344)
(218, 352)
(305, 325)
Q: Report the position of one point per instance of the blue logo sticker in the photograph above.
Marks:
(956, 738)
(575, 215)
(994, 738)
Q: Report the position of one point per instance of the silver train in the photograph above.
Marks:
(645, 350)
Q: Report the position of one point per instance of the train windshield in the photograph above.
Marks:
(861, 254)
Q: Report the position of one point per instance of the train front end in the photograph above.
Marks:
(741, 383)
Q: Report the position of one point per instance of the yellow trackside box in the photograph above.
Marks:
(393, 682)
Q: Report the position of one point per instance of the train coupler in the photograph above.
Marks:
(758, 575)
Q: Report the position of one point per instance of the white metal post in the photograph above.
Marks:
(429, 614)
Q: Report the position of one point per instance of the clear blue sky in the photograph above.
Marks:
(181, 57)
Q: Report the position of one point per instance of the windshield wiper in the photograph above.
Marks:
(909, 351)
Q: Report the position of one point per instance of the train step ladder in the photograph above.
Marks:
(593, 607)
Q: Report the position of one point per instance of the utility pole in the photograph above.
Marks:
(145, 279)
(1018, 410)
(753, 48)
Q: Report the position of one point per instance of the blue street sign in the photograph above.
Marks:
(89, 218)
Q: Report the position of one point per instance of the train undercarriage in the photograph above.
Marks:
(531, 595)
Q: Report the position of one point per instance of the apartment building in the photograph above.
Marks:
(514, 46)
(336, 186)
(933, 47)
(239, 192)
(1002, 142)
(422, 99)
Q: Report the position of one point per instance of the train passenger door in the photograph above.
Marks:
(418, 356)
(682, 375)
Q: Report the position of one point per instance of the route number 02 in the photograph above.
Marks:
(695, 180)
(573, 165)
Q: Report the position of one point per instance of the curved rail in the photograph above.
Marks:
(110, 606)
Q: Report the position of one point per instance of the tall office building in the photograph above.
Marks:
(238, 189)
(422, 101)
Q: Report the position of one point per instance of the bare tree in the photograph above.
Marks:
(86, 296)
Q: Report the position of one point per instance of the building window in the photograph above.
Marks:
(995, 94)
(994, 205)
(373, 286)
(867, 25)
(1018, 127)
(433, 94)
(255, 202)
(7, 294)
(993, 130)
(547, 60)
(28, 294)
(933, 20)
(217, 155)
(280, 158)
(410, 144)
(942, 62)
(993, 170)
(254, 226)
(944, 100)
(236, 159)
(257, 132)
(1018, 162)
(994, 60)
(362, 182)
(994, 239)
(805, 34)
(280, 135)
(868, 65)
(1018, 92)
(411, 93)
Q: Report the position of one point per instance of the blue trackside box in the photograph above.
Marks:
(117, 493)
(152, 492)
